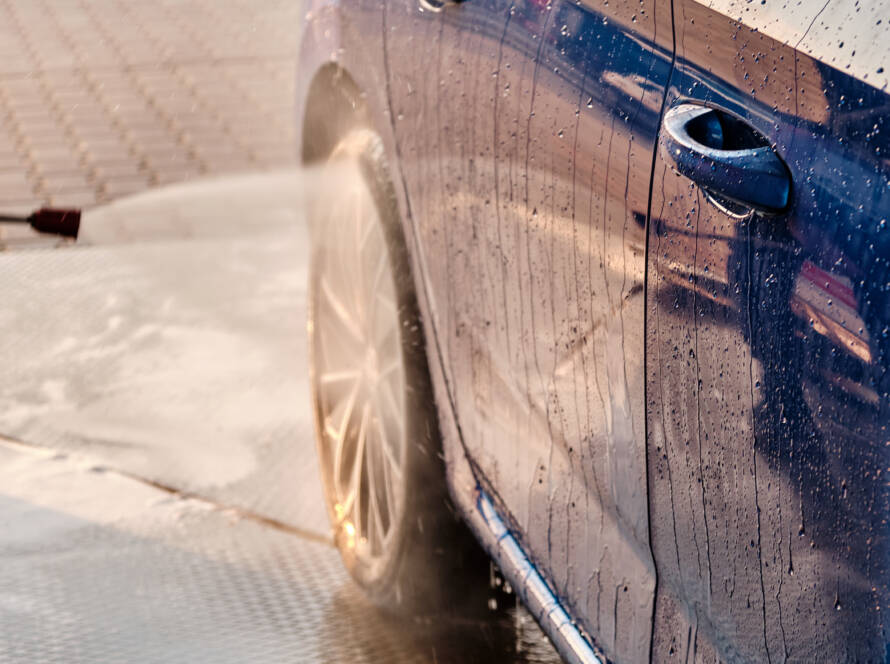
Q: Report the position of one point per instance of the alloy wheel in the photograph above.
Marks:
(358, 371)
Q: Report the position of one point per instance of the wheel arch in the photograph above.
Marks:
(331, 103)
(334, 106)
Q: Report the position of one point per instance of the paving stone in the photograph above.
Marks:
(123, 169)
(12, 163)
(138, 94)
(77, 199)
(13, 180)
(64, 182)
(60, 150)
(58, 165)
(106, 152)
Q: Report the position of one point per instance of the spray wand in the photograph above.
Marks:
(55, 221)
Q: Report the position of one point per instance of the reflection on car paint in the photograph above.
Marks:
(828, 303)
(525, 132)
(768, 354)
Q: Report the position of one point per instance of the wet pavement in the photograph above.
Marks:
(159, 497)
(99, 567)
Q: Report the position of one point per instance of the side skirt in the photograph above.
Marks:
(537, 596)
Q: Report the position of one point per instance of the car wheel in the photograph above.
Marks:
(376, 426)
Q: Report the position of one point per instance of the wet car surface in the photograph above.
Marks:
(648, 242)
(639, 252)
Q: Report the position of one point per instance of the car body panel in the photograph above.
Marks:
(766, 345)
(526, 135)
(767, 401)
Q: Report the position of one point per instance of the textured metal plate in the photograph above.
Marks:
(97, 567)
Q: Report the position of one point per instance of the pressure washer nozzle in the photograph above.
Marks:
(49, 220)
(56, 221)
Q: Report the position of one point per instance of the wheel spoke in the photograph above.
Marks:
(332, 377)
(342, 313)
(388, 482)
(338, 433)
(350, 406)
(386, 335)
(356, 482)
(357, 268)
(339, 351)
(366, 234)
(341, 267)
(386, 370)
(388, 452)
(385, 395)
(377, 278)
(374, 478)
(358, 518)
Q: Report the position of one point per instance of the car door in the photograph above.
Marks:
(526, 132)
(767, 336)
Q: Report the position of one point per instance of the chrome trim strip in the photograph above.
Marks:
(534, 591)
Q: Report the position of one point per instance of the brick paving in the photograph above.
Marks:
(104, 98)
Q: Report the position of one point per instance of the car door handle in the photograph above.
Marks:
(436, 5)
(725, 156)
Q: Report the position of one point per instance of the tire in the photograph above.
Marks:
(376, 427)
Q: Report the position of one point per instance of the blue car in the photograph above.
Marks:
(611, 288)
